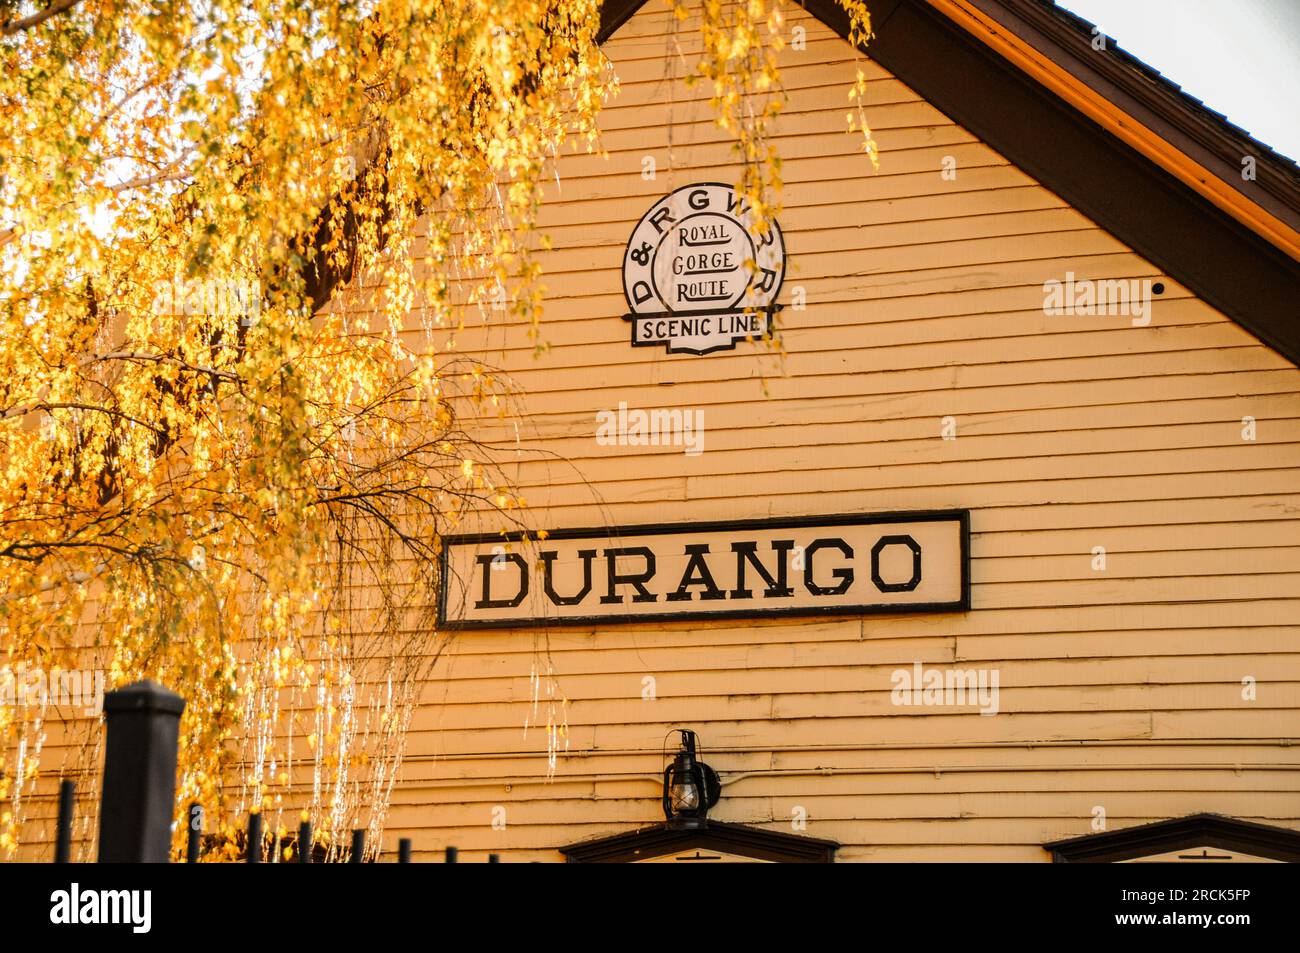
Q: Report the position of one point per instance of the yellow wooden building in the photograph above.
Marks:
(1051, 342)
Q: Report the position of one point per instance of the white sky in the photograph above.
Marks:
(1240, 57)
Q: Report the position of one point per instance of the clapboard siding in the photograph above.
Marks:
(1120, 688)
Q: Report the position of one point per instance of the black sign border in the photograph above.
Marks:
(962, 516)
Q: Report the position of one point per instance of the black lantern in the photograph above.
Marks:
(690, 786)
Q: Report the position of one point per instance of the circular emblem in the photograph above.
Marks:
(694, 253)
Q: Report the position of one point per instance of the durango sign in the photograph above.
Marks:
(896, 562)
(696, 276)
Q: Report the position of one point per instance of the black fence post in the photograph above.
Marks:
(305, 845)
(358, 846)
(452, 854)
(67, 805)
(254, 838)
(404, 850)
(194, 834)
(494, 858)
(135, 815)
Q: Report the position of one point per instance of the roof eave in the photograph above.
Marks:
(1144, 109)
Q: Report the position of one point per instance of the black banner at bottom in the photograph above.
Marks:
(140, 904)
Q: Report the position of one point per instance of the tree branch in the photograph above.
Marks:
(36, 19)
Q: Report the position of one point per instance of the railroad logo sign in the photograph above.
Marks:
(696, 277)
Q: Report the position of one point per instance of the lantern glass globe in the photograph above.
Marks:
(684, 796)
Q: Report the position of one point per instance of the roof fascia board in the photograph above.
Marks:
(1099, 85)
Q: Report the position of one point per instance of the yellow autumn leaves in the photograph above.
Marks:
(204, 479)
(228, 446)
